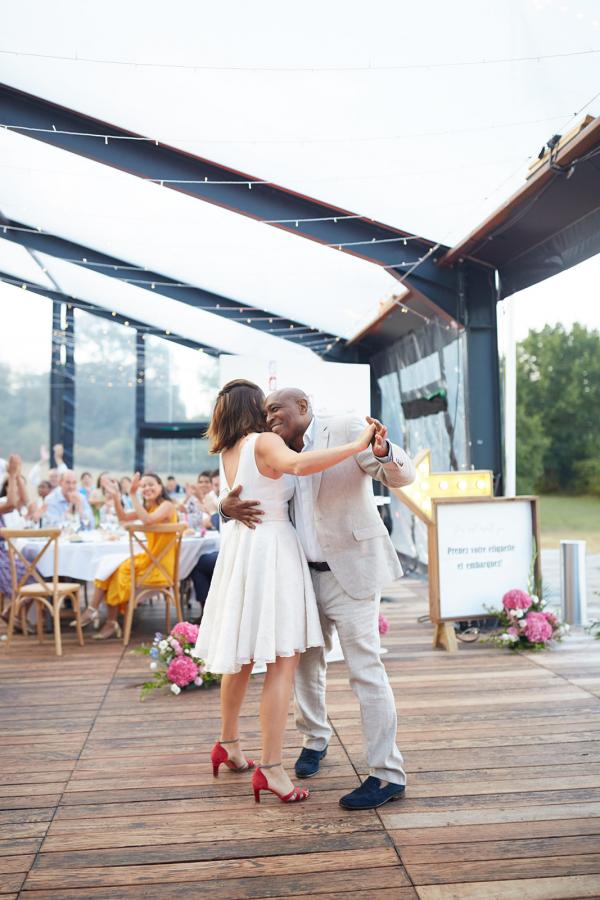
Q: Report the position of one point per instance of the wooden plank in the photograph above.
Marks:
(448, 835)
(560, 888)
(11, 864)
(197, 852)
(503, 868)
(372, 880)
(213, 870)
(521, 848)
(398, 821)
(19, 846)
(11, 882)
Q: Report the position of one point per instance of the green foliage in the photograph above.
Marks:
(587, 475)
(558, 398)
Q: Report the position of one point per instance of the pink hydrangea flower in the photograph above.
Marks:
(537, 628)
(182, 671)
(513, 630)
(176, 646)
(516, 599)
(185, 631)
(383, 624)
(551, 618)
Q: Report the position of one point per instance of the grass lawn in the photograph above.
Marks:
(570, 518)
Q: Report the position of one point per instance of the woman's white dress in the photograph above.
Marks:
(261, 602)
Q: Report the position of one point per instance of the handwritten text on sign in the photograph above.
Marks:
(484, 549)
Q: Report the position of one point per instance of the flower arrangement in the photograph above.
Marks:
(526, 623)
(384, 624)
(174, 661)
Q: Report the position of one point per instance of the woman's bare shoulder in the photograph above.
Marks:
(268, 439)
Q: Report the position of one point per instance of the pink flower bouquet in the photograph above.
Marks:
(174, 661)
(525, 622)
(384, 624)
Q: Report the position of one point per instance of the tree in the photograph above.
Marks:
(558, 398)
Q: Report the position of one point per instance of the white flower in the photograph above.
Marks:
(175, 689)
(163, 645)
(535, 598)
(512, 638)
(519, 613)
(153, 666)
(505, 637)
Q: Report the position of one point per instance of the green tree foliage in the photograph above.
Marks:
(558, 404)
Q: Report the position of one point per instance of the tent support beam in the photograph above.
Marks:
(62, 380)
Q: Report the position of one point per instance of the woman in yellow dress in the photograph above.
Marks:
(156, 509)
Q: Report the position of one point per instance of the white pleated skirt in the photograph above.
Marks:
(261, 602)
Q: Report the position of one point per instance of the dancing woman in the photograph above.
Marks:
(261, 605)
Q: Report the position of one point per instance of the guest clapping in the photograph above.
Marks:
(66, 501)
(156, 508)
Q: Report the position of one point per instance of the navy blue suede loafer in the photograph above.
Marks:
(370, 794)
(309, 762)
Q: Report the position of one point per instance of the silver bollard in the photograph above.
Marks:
(572, 582)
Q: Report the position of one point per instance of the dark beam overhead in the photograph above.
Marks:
(199, 298)
(103, 313)
(233, 190)
(552, 222)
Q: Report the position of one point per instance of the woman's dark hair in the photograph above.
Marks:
(239, 410)
(98, 485)
(163, 491)
(83, 474)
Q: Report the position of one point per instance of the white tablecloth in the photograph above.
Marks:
(92, 558)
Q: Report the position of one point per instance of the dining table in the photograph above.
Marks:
(91, 555)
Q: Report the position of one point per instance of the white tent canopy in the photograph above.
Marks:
(423, 117)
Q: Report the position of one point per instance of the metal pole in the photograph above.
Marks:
(140, 400)
(510, 400)
(573, 582)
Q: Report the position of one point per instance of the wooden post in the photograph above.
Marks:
(444, 637)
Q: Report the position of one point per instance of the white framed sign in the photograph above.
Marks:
(479, 549)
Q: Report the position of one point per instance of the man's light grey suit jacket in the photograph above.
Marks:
(354, 539)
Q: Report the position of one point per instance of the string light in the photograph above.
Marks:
(274, 331)
(369, 243)
(400, 67)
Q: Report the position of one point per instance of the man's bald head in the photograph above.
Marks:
(289, 413)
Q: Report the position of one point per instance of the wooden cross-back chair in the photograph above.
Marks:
(141, 585)
(49, 595)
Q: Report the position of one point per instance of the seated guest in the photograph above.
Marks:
(86, 484)
(213, 498)
(174, 490)
(53, 477)
(201, 576)
(125, 489)
(13, 495)
(100, 497)
(156, 508)
(66, 500)
(36, 510)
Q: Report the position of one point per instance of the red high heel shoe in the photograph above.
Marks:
(260, 783)
(219, 755)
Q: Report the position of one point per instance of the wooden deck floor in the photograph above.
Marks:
(106, 797)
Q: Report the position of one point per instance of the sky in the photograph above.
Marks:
(423, 116)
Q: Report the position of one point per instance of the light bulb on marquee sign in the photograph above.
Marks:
(429, 485)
